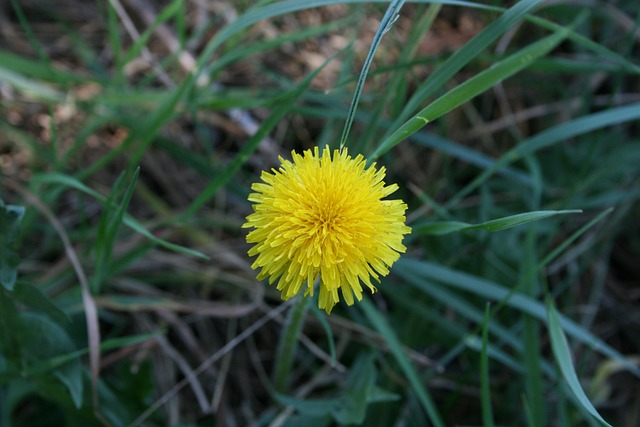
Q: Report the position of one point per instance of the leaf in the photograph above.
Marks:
(322, 319)
(562, 355)
(29, 87)
(485, 396)
(362, 377)
(421, 270)
(282, 108)
(350, 406)
(42, 339)
(392, 340)
(474, 47)
(10, 325)
(110, 222)
(387, 21)
(32, 297)
(10, 217)
(471, 88)
(446, 227)
(128, 220)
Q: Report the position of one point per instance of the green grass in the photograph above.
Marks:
(127, 297)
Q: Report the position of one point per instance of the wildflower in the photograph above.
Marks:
(323, 216)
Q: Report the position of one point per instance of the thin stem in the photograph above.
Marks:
(289, 343)
(390, 16)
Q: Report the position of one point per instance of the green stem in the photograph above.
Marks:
(288, 343)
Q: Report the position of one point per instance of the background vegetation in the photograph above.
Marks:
(131, 132)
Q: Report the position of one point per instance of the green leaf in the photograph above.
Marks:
(350, 406)
(283, 107)
(55, 362)
(362, 378)
(29, 87)
(10, 217)
(128, 220)
(446, 227)
(421, 270)
(474, 47)
(10, 324)
(42, 339)
(471, 88)
(487, 410)
(392, 340)
(562, 355)
(32, 297)
(387, 21)
(322, 319)
(110, 222)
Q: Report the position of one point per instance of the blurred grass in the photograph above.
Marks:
(159, 116)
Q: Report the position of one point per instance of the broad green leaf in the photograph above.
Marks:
(562, 355)
(362, 378)
(10, 325)
(10, 217)
(42, 339)
(32, 297)
(445, 227)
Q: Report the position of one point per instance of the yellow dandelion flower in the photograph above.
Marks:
(323, 216)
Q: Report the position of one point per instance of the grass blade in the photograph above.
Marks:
(495, 292)
(562, 355)
(129, 221)
(467, 53)
(388, 19)
(485, 395)
(552, 136)
(283, 107)
(379, 322)
(446, 227)
(471, 88)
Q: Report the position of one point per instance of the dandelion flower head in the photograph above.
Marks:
(323, 216)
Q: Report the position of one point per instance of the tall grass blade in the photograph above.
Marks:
(466, 54)
(562, 355)
(283, 107)
(128, 220)
(446, 227)
(381, 324)
(495, 292)
(472, 88)
(485, 389)
(390, 16)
